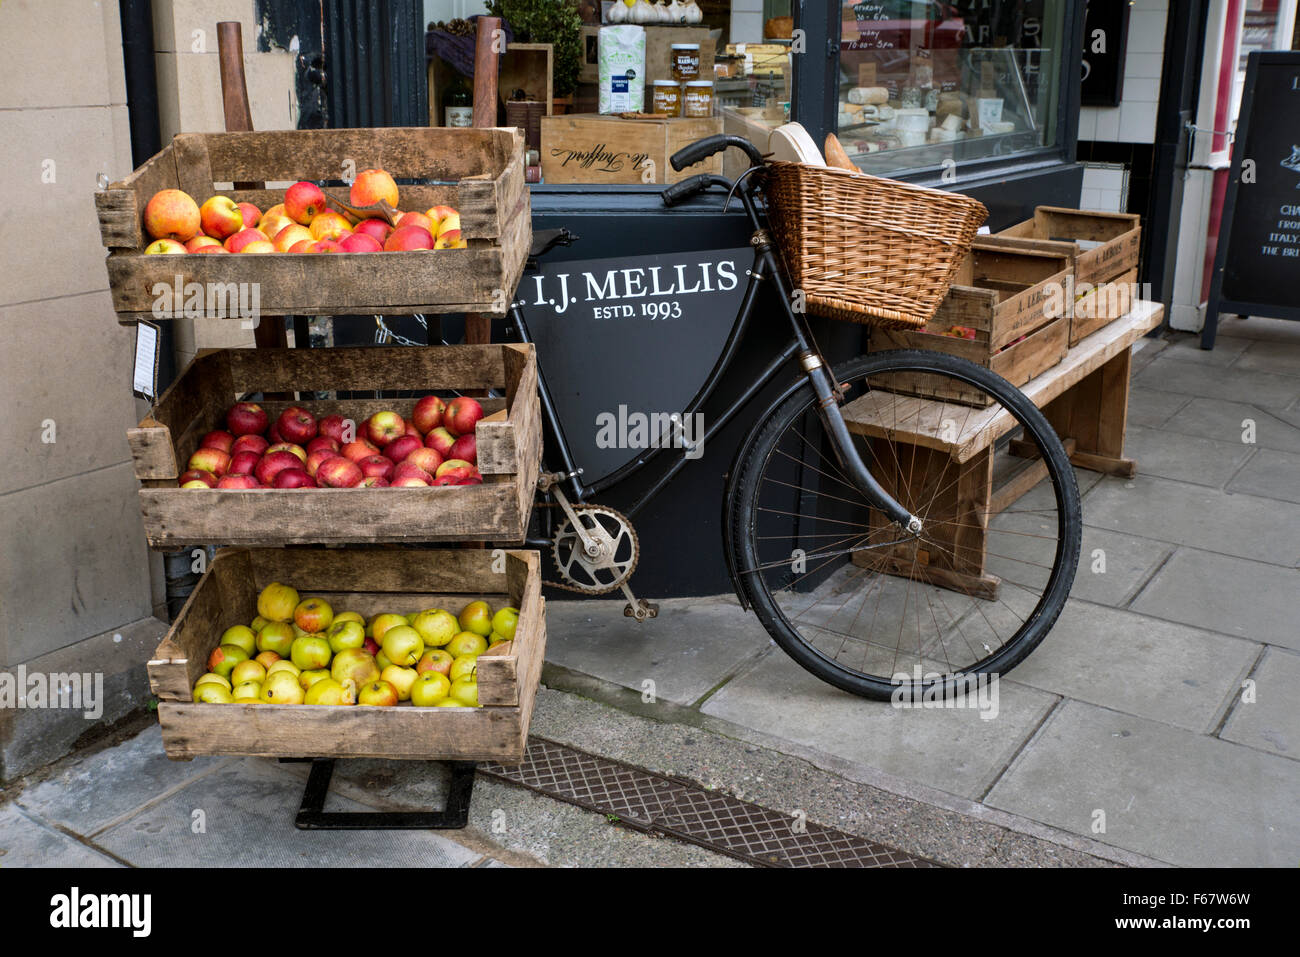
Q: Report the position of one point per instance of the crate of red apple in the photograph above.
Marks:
(453, 237)
(220, 464)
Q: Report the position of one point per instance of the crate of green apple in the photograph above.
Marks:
(431, 654)
(220, 464)
(462, 233)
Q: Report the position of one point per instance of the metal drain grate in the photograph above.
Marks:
(682, 809)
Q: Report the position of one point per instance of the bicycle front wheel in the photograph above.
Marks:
(860, 602)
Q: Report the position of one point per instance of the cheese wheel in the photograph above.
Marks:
(863, 95)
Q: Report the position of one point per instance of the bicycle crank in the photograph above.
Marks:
(595, 550)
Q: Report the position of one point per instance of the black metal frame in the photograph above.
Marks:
(312, 815)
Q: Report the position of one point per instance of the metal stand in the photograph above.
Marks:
(312, 815)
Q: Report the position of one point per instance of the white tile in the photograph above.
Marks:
(1137, 122)
(1141, 89)
(747, 27)
(1142, 65)
(1088, 123)
(1089, 198)
(1146, 31)
(1112, 201)
(1091, 177)
(1108, 125)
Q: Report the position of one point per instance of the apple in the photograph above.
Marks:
(164, 247)
(266, 658)
(447, 218)
(293, 478)
(223, 659)
(332, 692)
(220, 217)
(417, 219)
(209, 693)
(345, 634)
(403, 645)
(314, 460)
(338, 428)
(284, 664)
(425, 458)
(435, 659)
(465, 449)
(172, 214)
(196, 483)
(382, 623)
(247, 670)
(374, 481)
(242, 636)
(384, 427)
(310, 652)
(329, 225)
(203, 476)
(259, 246)
(454, 465)
(408, 471)
(303, 202)
(203, 242)
(250, 213)
(247, 418)
(409, 481)
(249, 692)
(355, 664)
(276, 602)
(505, 621)
(351, 616)
(302, 246)
(289, 236)
(296, 425)
(376, 229)
(377, 694)
(451, 240)
(214, 679)
(428, 413)
(439, 213)
(296, 450)
(376, 466)
(311, 676)
(440, 440)
(360, 243)
(371, 186)
(461, 666)
(477, 617)
(401, 679)
(313, 615)
(462, 414)
(339, 472)
(402, 446)
(243, 463)
(273, 224)
(372, 646)
(465, 691)
(239, 480)
(281, 687)
(360, 449)
(274, 462)
(210, 460)
(276, 636)
(436, 626)
(429, 688)
(405, 238)
(250, 443)
(467, 643)
(244, 237)
(322, 442)
(206, 248)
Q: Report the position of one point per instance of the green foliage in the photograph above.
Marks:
(547, 21)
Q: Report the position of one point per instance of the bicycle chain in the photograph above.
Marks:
(590, 590)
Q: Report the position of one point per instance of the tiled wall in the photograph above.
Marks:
(1105, 187)
(1134, 120)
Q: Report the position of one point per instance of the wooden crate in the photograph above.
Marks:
(368, 581)
(1118, 239)
(591, 148)
(658, 46)
(1004, 294)
(509, 448)
(1101, 305)
(480, 172)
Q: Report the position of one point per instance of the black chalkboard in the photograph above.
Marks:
(1105, 39)
(1257, 264)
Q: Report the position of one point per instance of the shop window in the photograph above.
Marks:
(933, 84)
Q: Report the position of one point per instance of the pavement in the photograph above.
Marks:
(1156, 724)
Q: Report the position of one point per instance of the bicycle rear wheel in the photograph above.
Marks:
(860, 602)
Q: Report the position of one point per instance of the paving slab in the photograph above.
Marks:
(1259, 327)
(1271, 722)
(1181, 347)
(1270, 474)
(1282, 358)
(139, 770)
(1234, 596)
(1186, 458)
(27, 842)
(1151, 407)
(248, 809)
(954, 750)
(693, 644)
(1269, 390)
(1229, 422)
(1142, 666)
(1168, 793)
(1241, 525)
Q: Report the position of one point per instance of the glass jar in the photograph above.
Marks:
(686, 62)
(667, 97)
(697, 99)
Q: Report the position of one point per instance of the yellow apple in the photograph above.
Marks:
(401, 679)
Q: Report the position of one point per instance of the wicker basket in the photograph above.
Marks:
(867, 249)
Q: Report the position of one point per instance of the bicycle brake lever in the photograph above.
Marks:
(732, 192)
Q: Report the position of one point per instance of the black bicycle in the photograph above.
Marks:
(847, 527)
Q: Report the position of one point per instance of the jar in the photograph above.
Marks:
(698, 99)
(686, 62)
(667, 97)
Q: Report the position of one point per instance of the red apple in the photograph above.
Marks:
(297, 450)
(425, 458)
(198, 475)
(324, 246)
(455, 464)
(210, 460)
(384, 427)
(172, 214)
(218, 440)
(402, 446)
(462, 414)
(407, 238)
(250, 443)
(245, 237)
(203, 242)
(466, 448)
(329, 225)
(292, 478)
(376, 466)
(243, 463)
(338, 472)
(302, 245)
(302, 201)
(274, 434)
(238, 481)
(371, 646)
(252, 215)
(274, 462)
(360, 243)
(336, 428)
(407, 470)
(416, 219)
(322, 442)
(371, 186)
(373, 482)
(314, 459)
(358, 450)
(470, 480)
(296, 425)
(220, 218)
(247, 418)
(427, 415)
(440, 440)
(410, 481)
(209, 248)
(377, 229)
(445, 480)
(412, 430)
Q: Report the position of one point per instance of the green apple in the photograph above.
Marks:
(477, 617)
(222, 661)
(436, 627)
(401, 679)
(355, 664)
(435, 659)
(403, 645)
(449, 703)
(462, 666)
(248, 692)
(309, 678)
(351, 616)
(505, 621)
(247, 671)
(330, 692)
(244, 637)
(210, 693)
(465, 690)
(284, 664)
(310, 652)
(377, 694)
(429, 688)
(281, 687)
(467, 643)
(277, 602)
(277, 636)
(382, 660)
(257, 624)
(379, 627)
(214, 679)
(313, 615)
(345, 634)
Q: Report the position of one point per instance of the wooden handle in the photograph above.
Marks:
(234, 91)
(486, 67)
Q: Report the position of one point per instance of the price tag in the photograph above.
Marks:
(145, 382)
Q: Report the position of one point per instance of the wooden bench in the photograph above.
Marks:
(1085, 398)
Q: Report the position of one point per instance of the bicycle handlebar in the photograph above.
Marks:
(687, 188)
(703, 149)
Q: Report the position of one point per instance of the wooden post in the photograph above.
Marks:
(478, 327)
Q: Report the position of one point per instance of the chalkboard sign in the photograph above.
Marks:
(1257, 264)
(1105, 39)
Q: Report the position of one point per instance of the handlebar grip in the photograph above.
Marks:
(703, 149)
(687, 188)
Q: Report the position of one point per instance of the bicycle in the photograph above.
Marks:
(823, 516)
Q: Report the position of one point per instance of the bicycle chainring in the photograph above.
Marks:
(619, 551)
